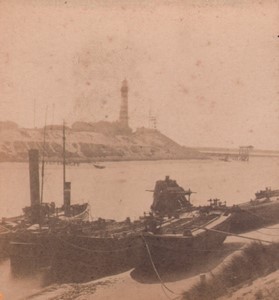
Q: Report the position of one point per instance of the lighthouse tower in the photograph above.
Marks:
(123, 115)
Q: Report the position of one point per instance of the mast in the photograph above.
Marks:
(34, 114)
(66, 185)
(64, 157)
(34, 179)
(43, 161)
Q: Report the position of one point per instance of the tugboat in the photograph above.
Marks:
(31, 241)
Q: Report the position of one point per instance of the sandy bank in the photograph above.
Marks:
(130, 285)
(266, 288)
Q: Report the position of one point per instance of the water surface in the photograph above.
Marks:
(119, 191)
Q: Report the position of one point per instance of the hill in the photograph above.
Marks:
(85, 146)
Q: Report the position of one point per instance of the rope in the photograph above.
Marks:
(269, 234)
(97, 251)
(6, 229)
(237, 235)
(156, 271)
(166, 293)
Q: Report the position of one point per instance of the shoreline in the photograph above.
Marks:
(129, 286)
(80, 161)
(112, 160)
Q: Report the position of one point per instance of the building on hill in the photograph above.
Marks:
(105, 127)
(56, 127)
(120, 127)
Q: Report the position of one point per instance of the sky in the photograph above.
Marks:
(208, 70)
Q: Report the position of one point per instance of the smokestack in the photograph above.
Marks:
(67, 197)
(34, 177)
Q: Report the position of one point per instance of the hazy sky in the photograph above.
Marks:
(209, 70)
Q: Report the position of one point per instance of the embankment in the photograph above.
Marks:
(253, 262)
(86, 146)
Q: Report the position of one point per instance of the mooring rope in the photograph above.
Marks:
(156, 271)
(237, 235)
(213, 230)
(268, 234)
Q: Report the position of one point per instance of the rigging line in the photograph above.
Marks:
(269, 234)
(237, 235)
(7, 229)
(43, 161)
(155, 269)
(64, 155)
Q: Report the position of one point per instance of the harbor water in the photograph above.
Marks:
(119, 191)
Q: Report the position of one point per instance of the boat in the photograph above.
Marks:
(266, 193)
(95, 250)
(31, 242)
(5, 234)
(179, 232)
(181, 244)
(7, 228)
(261, 211)
(98, 166)
(173, 230)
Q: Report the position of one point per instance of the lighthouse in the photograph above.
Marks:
(123, 115)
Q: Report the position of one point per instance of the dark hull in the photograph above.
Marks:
(169, 251)
(249, 217)
(81, 258)
(4, 245)
(30, 251)
(99, 166)
(267, 194)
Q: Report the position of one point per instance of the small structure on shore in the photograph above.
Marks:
(244, 152)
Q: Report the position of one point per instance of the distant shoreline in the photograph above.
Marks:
(205, 158)
(111, 160)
